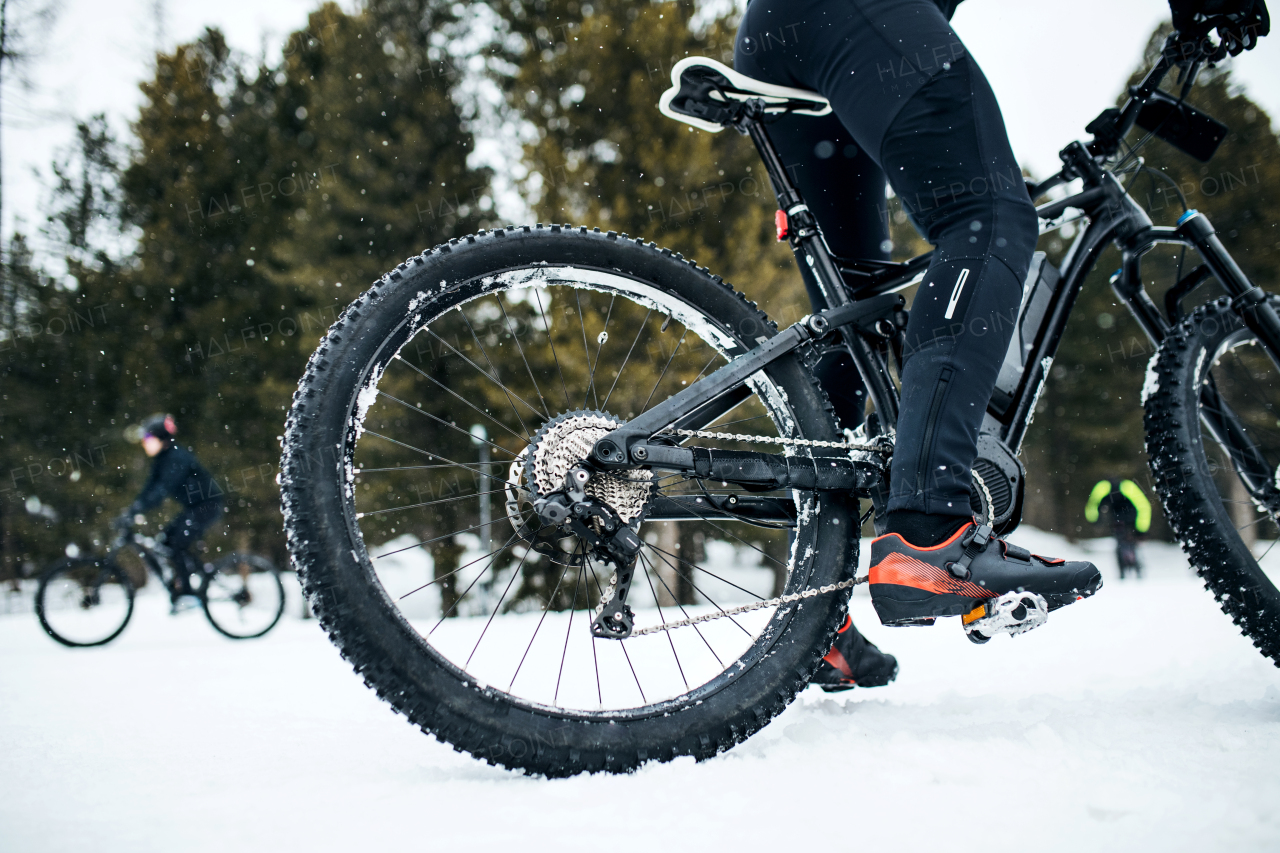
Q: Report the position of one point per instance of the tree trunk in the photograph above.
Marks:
(447, 556)
(667, 582)
(692, 550)
(1244, 515)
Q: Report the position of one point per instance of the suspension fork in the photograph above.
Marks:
(1247, 299)
(804, 236)
(1251, 303)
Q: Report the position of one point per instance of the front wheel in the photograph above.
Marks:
(1212, 398)
(479, 372)
(84, 602)
(243, 595)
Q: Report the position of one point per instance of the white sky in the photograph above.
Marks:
(1054, 66)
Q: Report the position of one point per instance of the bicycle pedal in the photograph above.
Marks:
(1012, 613)
(915, 622)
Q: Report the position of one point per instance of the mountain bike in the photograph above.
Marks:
(677, 507)
(88, 601)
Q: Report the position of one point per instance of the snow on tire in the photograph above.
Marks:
(449, 694)
(1204, 499)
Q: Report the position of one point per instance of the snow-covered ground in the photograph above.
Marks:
(1138, 720)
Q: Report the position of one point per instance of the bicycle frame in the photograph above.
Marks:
(853, 310)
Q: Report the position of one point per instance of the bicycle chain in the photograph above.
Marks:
(795, 596)
(747, 608)
(769, 439)
(772, 602)
(781, 599)
(991, 507)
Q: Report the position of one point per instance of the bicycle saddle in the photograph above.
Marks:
(703, 93)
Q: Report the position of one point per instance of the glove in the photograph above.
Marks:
(1240, 23)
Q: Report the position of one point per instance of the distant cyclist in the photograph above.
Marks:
(1130, 517)
(177, 474)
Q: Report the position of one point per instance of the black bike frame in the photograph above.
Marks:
(853, 291)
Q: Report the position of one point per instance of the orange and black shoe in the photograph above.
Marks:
(995, 586)
(854, 661)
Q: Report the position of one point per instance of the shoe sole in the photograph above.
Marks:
(898, 605)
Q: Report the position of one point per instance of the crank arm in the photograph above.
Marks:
(763, 471)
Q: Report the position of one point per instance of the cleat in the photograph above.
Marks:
(962, 576)
(1012, 613)
(854, 661)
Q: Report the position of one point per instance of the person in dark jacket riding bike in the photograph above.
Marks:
(176, 473)
(912, 110)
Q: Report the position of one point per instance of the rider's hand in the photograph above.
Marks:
(1240, 23)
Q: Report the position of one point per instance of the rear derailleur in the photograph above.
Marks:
(606, 537)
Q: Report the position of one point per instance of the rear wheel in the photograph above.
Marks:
(84, 602)
(243, 596)
(1212, 401)
(415, 435)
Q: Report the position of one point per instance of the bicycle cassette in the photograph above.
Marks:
(563, 442)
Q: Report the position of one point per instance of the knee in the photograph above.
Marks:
(1015, 230)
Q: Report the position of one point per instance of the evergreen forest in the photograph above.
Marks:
(202, 255)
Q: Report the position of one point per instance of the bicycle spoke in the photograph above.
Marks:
(451, 426)
(640, 332)
(464, 400)
(545, 610)
(471, 585)
(431, 455)
(586, 350)
(496, 375)
(573, 604)
(429, 541)
(683, 612)
(621, 645)
(360, 515)
(418, 467)
(736, 538)
(645, 407)
(602, 339)
(515, 337)
(551, 340)
(663, 556)
(480, 370)
(497, 607)
(667, 632)
(460, 568)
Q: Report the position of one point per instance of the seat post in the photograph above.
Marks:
(810, 249)
(804, 234)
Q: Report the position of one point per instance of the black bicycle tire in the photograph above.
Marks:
(396, 662)
(56, 569)
(266, 565)
(1183, 478)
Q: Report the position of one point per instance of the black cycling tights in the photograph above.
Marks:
(910, 103)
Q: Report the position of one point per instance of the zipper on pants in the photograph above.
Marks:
(930, 428)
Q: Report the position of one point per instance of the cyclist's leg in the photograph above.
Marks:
(903, 84)
(185, 530)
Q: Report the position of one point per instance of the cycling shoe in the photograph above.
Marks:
(854, 661)
(915, 586)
